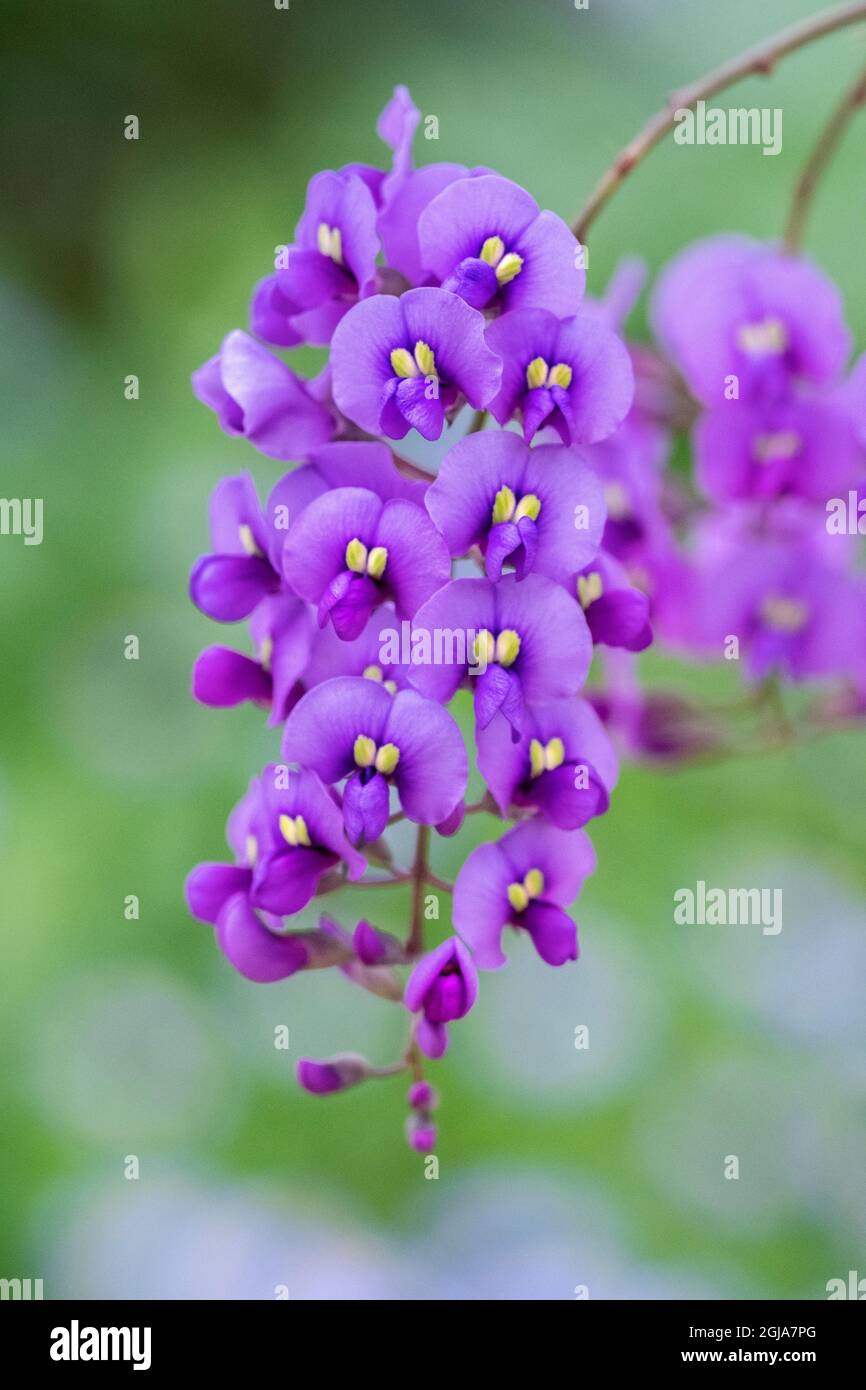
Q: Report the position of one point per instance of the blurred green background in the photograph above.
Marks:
(558, 1167)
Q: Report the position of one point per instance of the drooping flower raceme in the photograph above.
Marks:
(374, 591)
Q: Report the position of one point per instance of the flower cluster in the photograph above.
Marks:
(754, 557)
(376, 590)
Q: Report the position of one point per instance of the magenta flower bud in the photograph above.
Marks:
(422, 1096)
(374, 947)
(421, 1134)
(334, 1074)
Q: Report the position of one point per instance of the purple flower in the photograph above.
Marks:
(485, 239)
(517, 641)
(789, 609)
(348, 552)
(525, 880)
(260, 951)
(282, 630)
(402, 363)
(254, 394)
(442, 987)
(564, 764)
(540, 510)
(572, 375)
(367, 655)
(330, 265)
(796, 445)
(374, 947)
(302, 838)
(354, 728)
(228, 584)
(616, 611)
(732, 307)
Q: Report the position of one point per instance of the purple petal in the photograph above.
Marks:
(209, 887)
(222, 678)
(257, 953)
(228, 587)
(321, 730)
(554, 934)
(432, 771)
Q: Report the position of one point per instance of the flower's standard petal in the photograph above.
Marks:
(418, 562)
(315, 550)
(361, 358)
(321, 730)
(344, 203)
(256, 953)
(462, 498)
(228, 587)
(207, 385)
(571, 521)
(456, 334)
(553, 275)
(433, 769)
(602, 383)
(564, 857)
(555, 645)
(443, 632)
(222, 678)
(481, 908)
(553, 933)
(368, 465)
(405, 200)
(456, 224)
(209, 887)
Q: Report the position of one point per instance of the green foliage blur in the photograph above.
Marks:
(132, 1037)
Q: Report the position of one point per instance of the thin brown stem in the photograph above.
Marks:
(819, 159)
(441, 883)
(420, 870)
(760, 59)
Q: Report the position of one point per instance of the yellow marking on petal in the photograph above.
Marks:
(376, 561)
(266, 651)
(785, 444)
(364, 751)
(507, 647)
(426, 358)
(387, 759)
(330, 242)
(356, 556)
(616, 500)
(785, 614)
(769, 337)
(251, 848)
(518, 896)
(509, 267)
(289, 830)
(536, 758)
(373, 673)
(493, 250)
(560, 375)
(483, 648)
(503, 505)
(403, 363)
(533, 882)
(248, 540)
(302, 832)
(530, 506)
(391, 687)
(554, 754)
(536, 373)
(589, 588)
